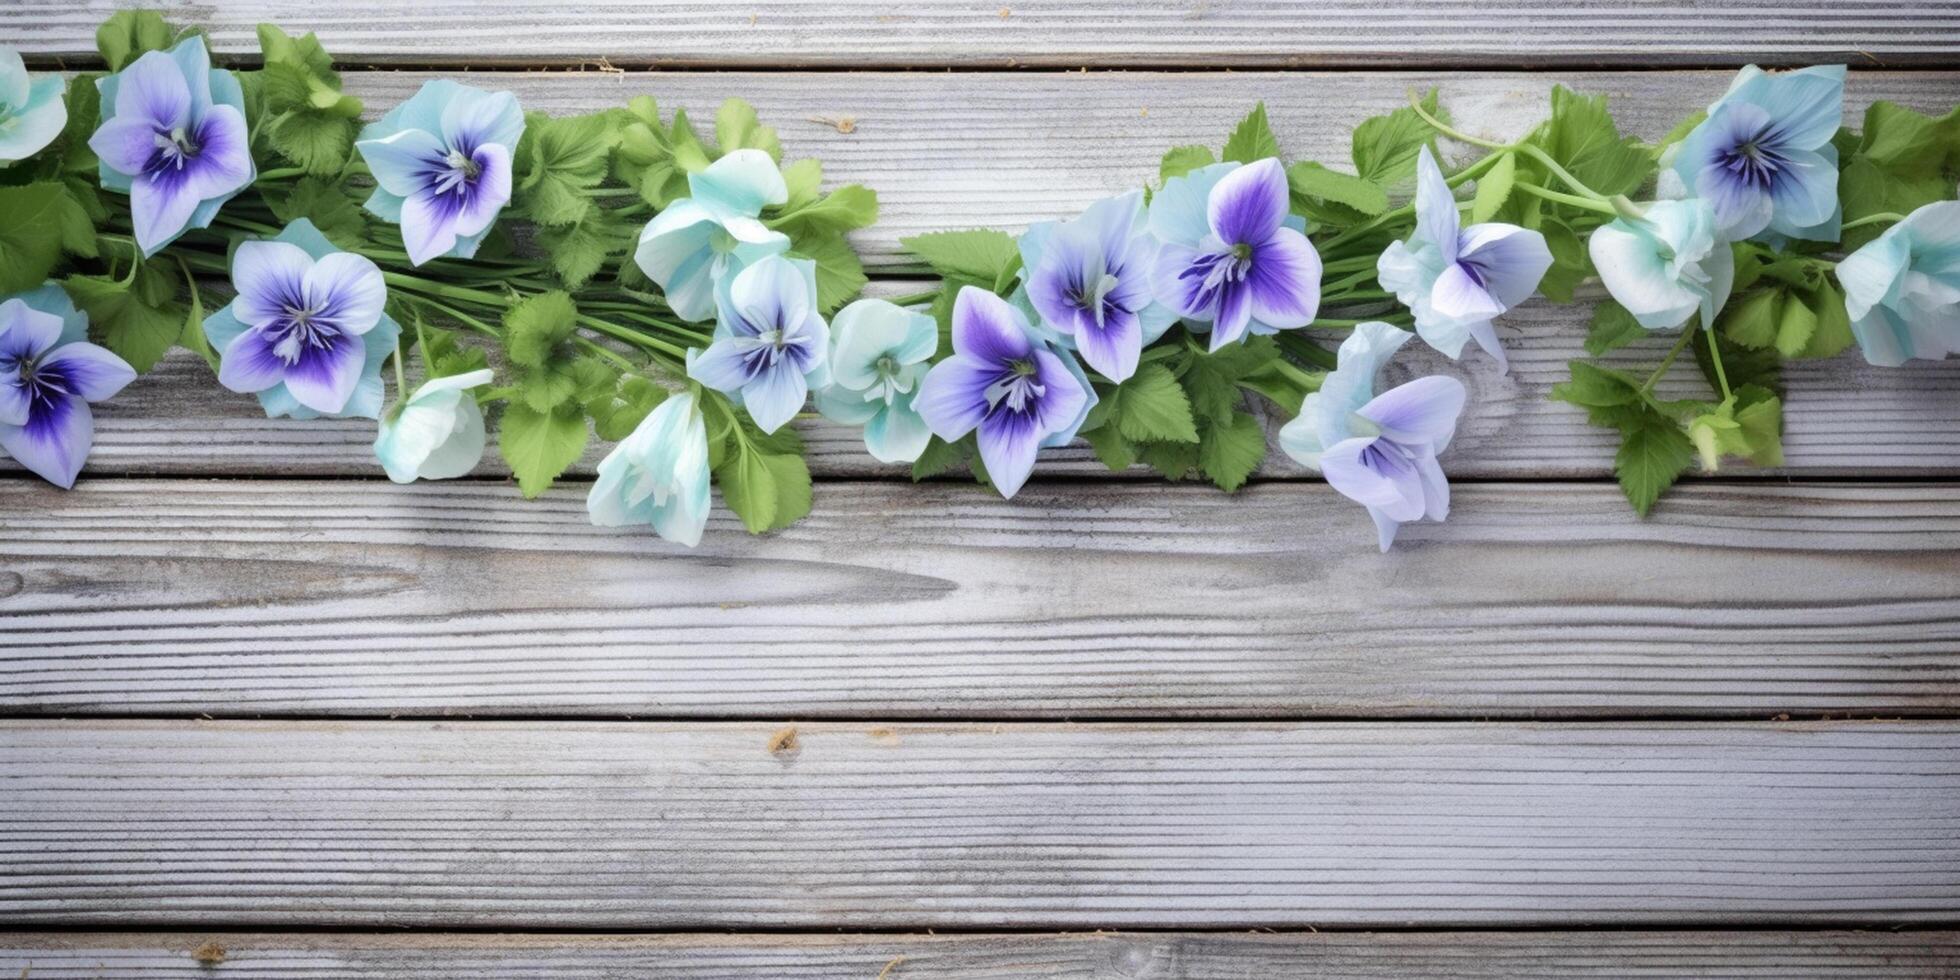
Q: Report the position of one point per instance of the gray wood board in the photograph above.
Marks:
(719, 825)
(1094, 956)
(1065, 33)
(1118, 600)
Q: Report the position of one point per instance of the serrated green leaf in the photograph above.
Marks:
(327, 205)
(560, 160)
(1230, 450)
(138, 320)
(804, 179)
(1386, 146)
(1494, 188)
(1833, 331)
(982, 255)
(938, 457)
(1652, 456)
(1315, 182)
(31, 236)
(1795, 325)
(577, 252)
(1175, 460)
(847, 208)
(737, 128)
(1181, 160)
(128, 34)
(1612, 327)
(539, 446)
(1110, 446)
(535, 327)
(317, 141)
(616, 413)
(840, 273)
(1253, 139)
(1752, 320)
(1593, 386)
(1582, 137)
(1152, 406)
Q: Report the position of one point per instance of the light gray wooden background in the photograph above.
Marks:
(257, 697)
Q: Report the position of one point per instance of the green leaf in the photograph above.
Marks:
(1593, 386)
(1570, 262)
(540, 445)
(1229, 451)
(737, 128)
(30, 238)
(765, 490)
(1386, 146)
(1212, 379)
(1181, 160)
(325, 204)
(1653, 454)
(138, 320)
(443, 357)
(1175, 460)
(535, 327)
(1759, 414)
(561, 160)
(577, 252)
(1903, 160)
(1752, 320)
(1313, 181)
(191, 337)
(304, 53)
(1110, 446)
(128, 34)
(847, 208)
(1253, 140)
(616, 413)
(1742, 365)
(1612, 328)
(1494, 188)
(1151, 405)
(804, 178)
(938, 457)
(1833, 331)
(1795, 325)
(840, 273)
(1582, 137)
(319, 142)
(984, 255)
(550, 385)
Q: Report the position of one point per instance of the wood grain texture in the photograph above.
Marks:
(947, 151)
(355, 598)
(718, 825)
(1835, 955)
(1065, 33)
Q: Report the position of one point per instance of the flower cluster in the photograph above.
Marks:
(688, 295)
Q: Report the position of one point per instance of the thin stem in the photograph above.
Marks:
(1444, 128)
(915, 299)
(1668, 361)
(1721, 376)
(1537, 153)
(1873, 219)
(1590, 204)
(401, 377)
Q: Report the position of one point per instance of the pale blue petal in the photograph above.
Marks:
(744, 181)
(897, 434)
(1178, 212)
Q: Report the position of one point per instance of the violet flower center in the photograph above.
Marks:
(301, 330)
(1754, 160)
(42, 384)
(1017, 387)
(457, 174)
(175, 150)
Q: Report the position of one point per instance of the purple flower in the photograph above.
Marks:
(173, 137)
(1234, 262)
(304, 320)
(1379, 450)
(45, 388)
(771, 346)
(1089, 280)
(442, 160)
(1000, 382)
(1763, 158)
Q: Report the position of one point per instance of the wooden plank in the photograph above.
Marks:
(965, 149)
(1063, 33)
(1833, 955)
(719, 825)
(356, 598)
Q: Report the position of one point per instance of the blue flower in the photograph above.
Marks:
(878, 356)
(1018, 394)
(1089, 280)
(1763, 158)
(1666, 265)
(770, 343)
(658, 475)
(1456, 279)
(436, 433)
(696, 242)
(306, 333)
(173, 138)
(32, 112)
(1379, 450)
(1230, 256)
(442, 162)
(48, 376)
(1902, 290)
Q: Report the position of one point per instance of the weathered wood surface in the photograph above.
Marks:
(1834, 955)
(1004, 150)
(720, 825)
(1065, 33)
(361, 598)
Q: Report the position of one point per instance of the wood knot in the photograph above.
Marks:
(784, 744)
(209, 954)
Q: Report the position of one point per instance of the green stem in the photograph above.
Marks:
(1590, 204)
(282, 173)
(1873, 219)
(1668, 361)
(1444, 128)
(1721, 376)
(401, 377)
(915, 299)
(1538, 153)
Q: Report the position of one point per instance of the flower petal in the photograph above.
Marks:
(988, 328)
(1114, 347)
(153, 90)
(55, 441)
(401, 162)
(1234, 313)
(1806, 190)
(92, 372)
(248, 364)
(952, 398)
(125, 144)
(1008, 444)
(490, 192)
(160, 208)
(475, 119)
(1178, 212)
(1284, 281)
(223, 163)
(1807, 105)
(1437, 221)
(1510, 261)
(428, 226)
(270, 278)
(1423, 411)
(325, 376)
(744, 181)
(347, 291)
(1459, 296)
(1249, 204)
(897, 435)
